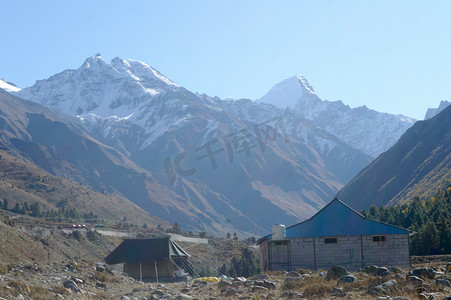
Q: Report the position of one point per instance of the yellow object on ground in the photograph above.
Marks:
(209, 279)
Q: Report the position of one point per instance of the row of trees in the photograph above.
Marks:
(60, 214)
(429, 218)
(246, 266)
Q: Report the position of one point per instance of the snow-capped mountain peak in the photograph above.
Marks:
(119, 88)
(94, 61)
(435, 111)
(8, 86)
(364, 129)
(140, 70)
(287, 92)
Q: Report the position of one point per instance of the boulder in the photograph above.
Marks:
(224, 284)
(395, 270)
(183, 297)
(258, 288)
(422, 272)
(261, 277)
(443, 282)
(388, 284)
(370, 269)
(338, 292)
(415, 279)
(240, 279)
(336, 272)
(385, 274)
(71, 285)
(293, 274)
(382, 288)
(269, 284)
(346, 279)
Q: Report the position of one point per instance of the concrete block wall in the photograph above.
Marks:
(279, 257)
(302, 255)
(346, 252)
(314, 253)
(393, 252)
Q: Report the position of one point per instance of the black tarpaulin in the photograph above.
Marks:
(145, 250)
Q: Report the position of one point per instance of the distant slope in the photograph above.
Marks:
(419, 164)
(45, 157)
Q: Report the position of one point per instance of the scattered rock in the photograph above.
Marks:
(292, 295)
(293, 274)
(400, 298)
(224, 284)
(423, 272)
(370, 269)
(385, 274)
(346, 279)
(423, 287)
(415, 279)
(238, 283)
(240, 279)
(71, 285)
(185, 290)
(77, 280)
(230, 292)
(380, 270)
(100, 285)
(269, 284)
(382, 288)
(336, 272)
(395, 270)
(125, 298)
(430, 296)
(338, 292)
(183, 296)
(292, 279)
(322, 274)
(258, 288)
(261, 277)
(443, 282)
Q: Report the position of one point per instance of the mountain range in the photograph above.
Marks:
(418, 165)
(210, 164)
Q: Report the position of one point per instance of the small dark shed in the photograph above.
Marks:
(150, 259)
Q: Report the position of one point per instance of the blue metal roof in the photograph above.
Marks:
(338, 219)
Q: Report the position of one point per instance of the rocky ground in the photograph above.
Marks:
(86, 280)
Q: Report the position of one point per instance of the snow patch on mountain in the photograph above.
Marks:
(8, 86)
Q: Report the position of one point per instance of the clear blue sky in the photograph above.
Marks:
(393, 56)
